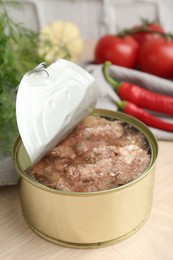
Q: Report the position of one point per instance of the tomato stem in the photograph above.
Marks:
(109, 79)
(132, 31)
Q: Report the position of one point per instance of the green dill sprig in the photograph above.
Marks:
(18, 54)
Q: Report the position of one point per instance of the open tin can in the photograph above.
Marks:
(87, 219)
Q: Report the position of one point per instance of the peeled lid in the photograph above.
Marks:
(50, 103)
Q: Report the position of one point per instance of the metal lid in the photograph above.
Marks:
(50, 102)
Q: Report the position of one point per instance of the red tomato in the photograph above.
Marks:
(122, 51)
(142, 37)
(156, 57)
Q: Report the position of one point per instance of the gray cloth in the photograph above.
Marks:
(153, 83)
(8, 174)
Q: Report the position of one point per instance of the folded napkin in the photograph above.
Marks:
(8, 174)
(153, 83)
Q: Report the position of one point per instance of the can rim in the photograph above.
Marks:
(98, 112)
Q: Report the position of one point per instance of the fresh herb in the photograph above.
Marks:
(18, 54)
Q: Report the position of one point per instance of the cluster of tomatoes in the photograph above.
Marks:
(145, 47)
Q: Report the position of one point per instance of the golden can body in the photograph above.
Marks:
(93, 219)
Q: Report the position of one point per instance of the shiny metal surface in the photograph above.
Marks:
(87, 220)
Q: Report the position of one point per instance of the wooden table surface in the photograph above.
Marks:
(153, 241)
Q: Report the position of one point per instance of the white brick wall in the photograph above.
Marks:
(95, 17)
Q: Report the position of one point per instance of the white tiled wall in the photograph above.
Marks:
(95, 17)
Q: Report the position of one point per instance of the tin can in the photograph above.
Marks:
(87, 219)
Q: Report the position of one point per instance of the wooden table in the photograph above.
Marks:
(153, 241)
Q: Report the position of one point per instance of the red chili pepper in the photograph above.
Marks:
(144, 116)
(139, 96)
